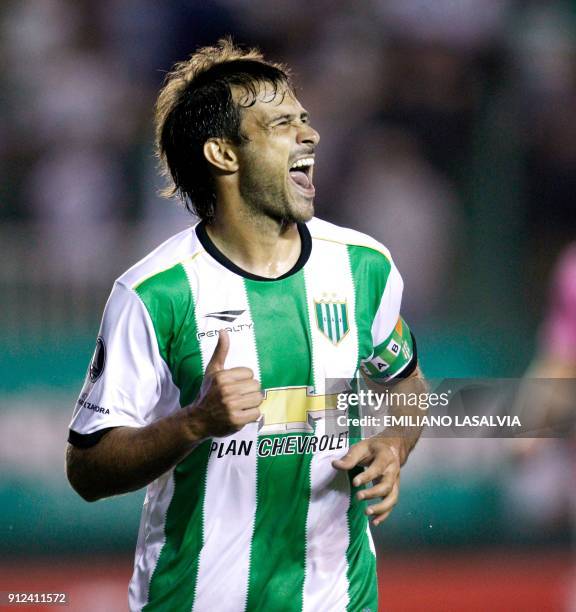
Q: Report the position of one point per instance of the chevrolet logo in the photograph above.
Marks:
(293, 409)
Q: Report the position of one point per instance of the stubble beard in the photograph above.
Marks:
(269, 198)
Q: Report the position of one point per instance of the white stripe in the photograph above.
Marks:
(333, 323)
(328, 273)
(230, 497)
(159, 493)
(151, 536)
(370, 540)
(326, 582)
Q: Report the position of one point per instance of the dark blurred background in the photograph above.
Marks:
(448, 133)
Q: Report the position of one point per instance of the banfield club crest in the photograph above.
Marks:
(332, 317)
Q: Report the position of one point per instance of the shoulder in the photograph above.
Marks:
(360, 243)
(161, 262)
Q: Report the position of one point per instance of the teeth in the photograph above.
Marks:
(306, 162)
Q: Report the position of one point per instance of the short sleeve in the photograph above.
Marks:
(394, 346)
(126, 377)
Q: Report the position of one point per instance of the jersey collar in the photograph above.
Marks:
(211, 249)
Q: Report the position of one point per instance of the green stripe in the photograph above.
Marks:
(169, 301)
(362, 576)
(404, 356)
(329, 322)
(344, 318)
(173, 583)
(278, 552)
(370, 271)
(319, 316)
(336, 324)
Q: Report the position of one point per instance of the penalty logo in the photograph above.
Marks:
(332, 318)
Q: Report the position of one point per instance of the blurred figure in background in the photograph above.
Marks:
(542, 493)
(556, 357)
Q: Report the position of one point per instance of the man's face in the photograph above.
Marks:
(276, 165)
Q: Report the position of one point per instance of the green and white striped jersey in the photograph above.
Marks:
(259, 520)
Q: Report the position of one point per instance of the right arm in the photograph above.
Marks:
(128, 458)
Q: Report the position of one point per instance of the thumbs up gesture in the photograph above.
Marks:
(228, 398)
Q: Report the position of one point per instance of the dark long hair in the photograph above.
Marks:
(196, 104)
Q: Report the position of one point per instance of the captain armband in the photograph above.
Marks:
(395, 357)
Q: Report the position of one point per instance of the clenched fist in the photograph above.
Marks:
(228, 399)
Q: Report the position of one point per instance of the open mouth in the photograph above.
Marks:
(301, 175)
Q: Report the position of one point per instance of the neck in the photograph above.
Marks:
(256, 243)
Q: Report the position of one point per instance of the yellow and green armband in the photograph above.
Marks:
(393, 358)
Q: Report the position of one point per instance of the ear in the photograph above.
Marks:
(221, 154)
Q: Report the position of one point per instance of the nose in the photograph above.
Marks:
(307, 135)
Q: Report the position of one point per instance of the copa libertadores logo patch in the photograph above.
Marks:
(98, 360)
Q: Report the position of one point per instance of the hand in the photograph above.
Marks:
(228, 399)
(382, 460)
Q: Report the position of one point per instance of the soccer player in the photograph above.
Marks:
(209, 378)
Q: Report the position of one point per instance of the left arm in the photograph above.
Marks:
(393, 361)
(383, 455)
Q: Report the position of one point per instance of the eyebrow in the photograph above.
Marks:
(289, 116)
